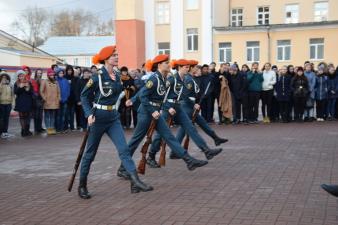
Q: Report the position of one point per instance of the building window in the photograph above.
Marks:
(225, 52)
(317, 48)
(163, 48)
(291, 13)
(252, 51)
(76, 61)
(236, 17)
(321, 11)
(283, 50)
(263, 15)
(192, 36)
(87, 61)
(163, 13)
(192, 4)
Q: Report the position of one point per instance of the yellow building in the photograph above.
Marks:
(243, 31)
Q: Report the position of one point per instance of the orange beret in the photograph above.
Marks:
(160, 58)
(148, 65)
(96, 59)
(193, 62)
(182, 62)
(105, 53)
(173, 63)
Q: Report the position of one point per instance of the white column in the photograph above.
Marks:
(206, 31)
(177, 33)
(149, 19)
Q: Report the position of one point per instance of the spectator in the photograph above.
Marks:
(291, 73)
(300, 90)
(129, 90)
(320, 90)
(64, 93)
(223, 72)
(206, 105)
(82, 83)
(310, 102)
(136, 75)
(245, 94)
(255, 80)
(332, 93)
(6, 100)
(54, 67)
(50, 93)
(274, 112)
(236, 84)
(37, 103)
(269, 80)
(23, 102)
(283, 91)
(93, 69)
(74, 87)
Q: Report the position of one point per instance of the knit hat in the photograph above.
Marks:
(19, 72)
(233, 67)
(50, 72)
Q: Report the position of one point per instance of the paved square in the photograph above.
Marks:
(267, 174)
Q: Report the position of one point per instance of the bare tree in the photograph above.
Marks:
(33, 25)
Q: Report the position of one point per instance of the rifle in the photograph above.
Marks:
(193, 118)
(142, 164)
(163, 143)
(80, 154)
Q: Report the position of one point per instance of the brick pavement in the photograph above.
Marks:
(267, 174)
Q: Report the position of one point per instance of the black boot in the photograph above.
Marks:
(218, 141)
(152, 162)
(193, 163)
(136, 185)
(210, 153)
(82, 190)
(173, 155)
(331, 189)
(122, 172)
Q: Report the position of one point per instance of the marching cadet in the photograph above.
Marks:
(105, 87)
(190, 103)
(173, 108)
(151, 97)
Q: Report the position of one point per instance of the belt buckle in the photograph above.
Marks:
(109, 107)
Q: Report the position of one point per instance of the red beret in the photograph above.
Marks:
(96, 59)
(104, 54)
(160, 58)
(148, 65)
(173, 63)
(182, 62)
(193, 62)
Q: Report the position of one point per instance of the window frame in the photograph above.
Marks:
(159, 18)
(314, 11)
(284, 46)
(162, 51)
(224, 49)
(253, 52)
(316, 45)
(237, 15)
(263, 15)
(292, 12)
(192, 40)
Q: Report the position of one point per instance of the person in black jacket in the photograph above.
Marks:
(74, 106)
(300, 90)
(81, 84)
(283, 93)
(236, 84)
(223, 72)
(23, 102)
(206, 105)
(245, 93)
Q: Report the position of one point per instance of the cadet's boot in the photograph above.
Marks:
(218, 141)
(152, 162)
(210, 153)
(136, 185)
(82, 190)
(331, 189)
(122, 172)
(173, 155)
(193, 163)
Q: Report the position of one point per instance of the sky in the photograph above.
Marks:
(11, 9)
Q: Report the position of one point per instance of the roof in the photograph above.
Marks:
(31, 50)
(76, 45)
(276, 26)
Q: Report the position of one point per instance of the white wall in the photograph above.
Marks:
(85, 61)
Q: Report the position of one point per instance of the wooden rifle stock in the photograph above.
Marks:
(142, 164)
(161, 161)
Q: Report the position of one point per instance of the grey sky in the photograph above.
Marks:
(11, 9)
